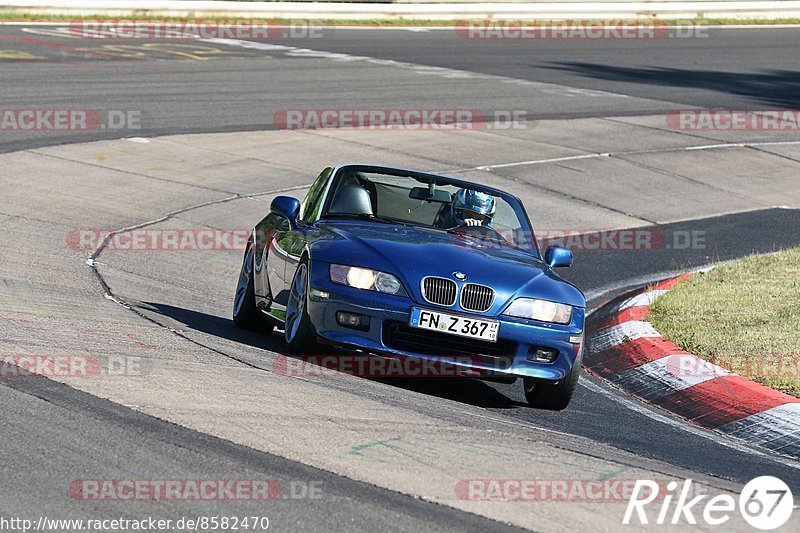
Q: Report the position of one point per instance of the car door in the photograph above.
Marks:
(275, 263)
(286, 245)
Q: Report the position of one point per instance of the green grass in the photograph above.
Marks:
(29, 17)
(743, 316)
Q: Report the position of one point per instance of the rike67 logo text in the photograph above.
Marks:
(765, 503)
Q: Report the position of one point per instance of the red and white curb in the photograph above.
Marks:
(626, 350)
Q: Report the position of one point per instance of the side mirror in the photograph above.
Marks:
(286, 207)
(558, 256)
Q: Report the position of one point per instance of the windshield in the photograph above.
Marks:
(430, 202)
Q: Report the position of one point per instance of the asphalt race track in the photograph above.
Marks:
(594, 151)
(181, 87)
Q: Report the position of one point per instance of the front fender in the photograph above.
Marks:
(335, 249)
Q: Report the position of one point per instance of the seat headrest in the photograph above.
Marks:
(352, 199)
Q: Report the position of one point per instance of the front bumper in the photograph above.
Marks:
(388, 315)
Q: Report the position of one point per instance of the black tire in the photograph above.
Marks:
(555, 397)
(245, 313)
(301, 339)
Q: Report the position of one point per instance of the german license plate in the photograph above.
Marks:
(485, 330)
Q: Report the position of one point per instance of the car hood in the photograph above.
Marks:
(413, 253)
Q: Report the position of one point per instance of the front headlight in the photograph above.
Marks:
(541, 310)
(364, 278)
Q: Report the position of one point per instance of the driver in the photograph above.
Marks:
(472, 208)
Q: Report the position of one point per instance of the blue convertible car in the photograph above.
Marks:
(395, 263)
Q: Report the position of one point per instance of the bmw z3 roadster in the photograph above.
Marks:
(396, 263)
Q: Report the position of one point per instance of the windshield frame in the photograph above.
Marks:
(424, 178)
